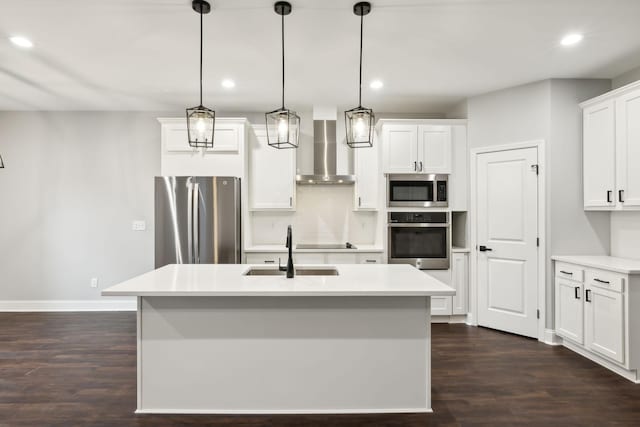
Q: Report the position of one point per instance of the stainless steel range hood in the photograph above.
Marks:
(324, 157)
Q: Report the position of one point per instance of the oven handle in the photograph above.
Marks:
(417, 225)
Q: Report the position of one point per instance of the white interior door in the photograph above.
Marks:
(507, 215)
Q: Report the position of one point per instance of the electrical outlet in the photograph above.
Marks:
(94, 282)
(139, 225)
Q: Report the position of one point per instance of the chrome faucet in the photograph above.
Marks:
(289, 267)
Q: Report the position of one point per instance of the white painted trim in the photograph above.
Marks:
(452, 122)
(551, 338)
(630, 375)
(446, 318)
(284, 411)
(473, 291)
(67, 305)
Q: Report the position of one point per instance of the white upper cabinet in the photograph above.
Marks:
(611, 150)
(599, 155)
(628, 149)
(434, 149)
(271, 173)
(367, 178)
(416, 147)
(225, 158)
(175, 137)
(400, 148)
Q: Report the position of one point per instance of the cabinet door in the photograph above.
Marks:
(434, 149)
(226, 137)
(367, 178)
(400, 148)
(175, 137)
(460, 282)
(605, 322)
(441, 306)
(599, 156)
(628, 150)
(569, 310)
(271, 175)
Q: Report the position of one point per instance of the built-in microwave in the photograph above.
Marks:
(419, 238)
(417, 190)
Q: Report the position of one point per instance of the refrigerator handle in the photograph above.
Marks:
(190, 221)
(196, 222)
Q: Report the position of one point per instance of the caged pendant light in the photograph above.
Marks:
(360, 121)
(200, 120)
(283, 125)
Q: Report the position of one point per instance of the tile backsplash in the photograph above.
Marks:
(324, 214)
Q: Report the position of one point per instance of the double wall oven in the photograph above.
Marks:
(420, 239)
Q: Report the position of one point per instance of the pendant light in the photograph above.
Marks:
(200, 120)
(283, 125)
(360, 121)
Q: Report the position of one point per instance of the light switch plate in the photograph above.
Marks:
(139, 225)
(94, 282)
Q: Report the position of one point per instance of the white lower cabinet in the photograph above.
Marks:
(605, 322)
(596, 314)
(570, 310)
(459, 280)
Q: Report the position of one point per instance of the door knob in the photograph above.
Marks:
(483, 248)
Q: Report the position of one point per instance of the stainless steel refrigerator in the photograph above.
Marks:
(197, 220)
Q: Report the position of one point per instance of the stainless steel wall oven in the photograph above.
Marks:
(420, 239)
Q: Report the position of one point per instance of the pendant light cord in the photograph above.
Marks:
(282, 16)
(201, 55)
(360, 92)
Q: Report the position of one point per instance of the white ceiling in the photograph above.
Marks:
(143, 54)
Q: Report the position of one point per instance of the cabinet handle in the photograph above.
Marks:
(566, 272)
(587, 293)
(420, 166)
(601, 281)
(290, 201)
(370, 260)
(576, 292)
(620, 194)
(609, 196)
(359, 201)
(269, 261)
(415, 166)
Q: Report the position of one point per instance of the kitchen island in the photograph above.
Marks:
(227, 339)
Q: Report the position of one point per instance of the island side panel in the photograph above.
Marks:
(284, 354)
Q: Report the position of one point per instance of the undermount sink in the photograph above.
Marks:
(299, 271)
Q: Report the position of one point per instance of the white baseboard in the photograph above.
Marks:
(551, 338)
(68, 305)
(285, 411)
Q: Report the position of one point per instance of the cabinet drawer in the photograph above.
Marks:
(266, 258)
(605, 280)
(569, 271)
(375, 258)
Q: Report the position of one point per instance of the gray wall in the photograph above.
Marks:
(548, 110)
(626, 78)
(73, 183)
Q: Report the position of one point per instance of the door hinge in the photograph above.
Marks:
(537, 241)
(538, 313)
(534, 168)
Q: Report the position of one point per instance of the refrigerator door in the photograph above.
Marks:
(173, 220)
(217, 229)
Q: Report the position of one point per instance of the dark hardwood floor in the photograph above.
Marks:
(79, 369)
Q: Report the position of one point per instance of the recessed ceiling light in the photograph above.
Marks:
(228, 83)
(376, 84)
(571, 39)
(21, 42)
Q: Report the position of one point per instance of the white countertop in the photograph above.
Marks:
(228, 280)
(620, 265)
(283, 248)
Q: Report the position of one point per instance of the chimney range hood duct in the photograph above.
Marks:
(324, 157)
